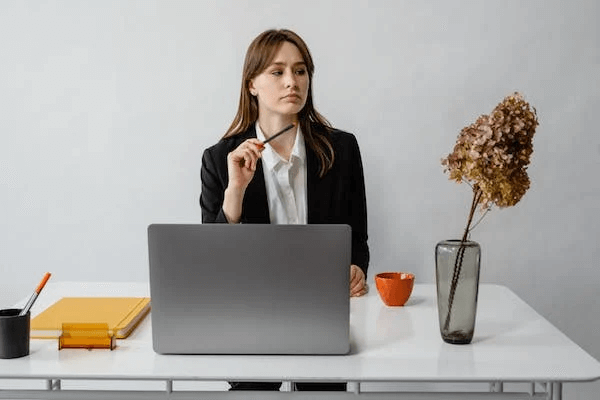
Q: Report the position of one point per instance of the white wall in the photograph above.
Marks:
(106, 107)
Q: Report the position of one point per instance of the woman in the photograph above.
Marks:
(312, 174)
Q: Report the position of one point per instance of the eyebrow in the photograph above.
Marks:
(284, 64)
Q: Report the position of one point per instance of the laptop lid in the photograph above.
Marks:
(250, 288)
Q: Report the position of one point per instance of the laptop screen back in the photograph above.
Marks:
(249, 289)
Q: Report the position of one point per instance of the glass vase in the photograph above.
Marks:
(457, 281)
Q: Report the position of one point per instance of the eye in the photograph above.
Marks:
(301, 71)
(276, 72)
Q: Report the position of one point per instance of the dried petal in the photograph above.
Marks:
(493, 153)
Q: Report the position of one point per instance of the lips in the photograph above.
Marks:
(292, 96)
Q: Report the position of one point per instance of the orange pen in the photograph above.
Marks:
(35, 295)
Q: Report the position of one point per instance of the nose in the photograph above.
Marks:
(290, 80)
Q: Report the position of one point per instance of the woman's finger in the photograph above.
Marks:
(356, 274)
(247, 160)
(357, 288)
(255, 146)
(355, 280)
(247, 155)
(353, 273)
(359, 293)
(252, 153)
(257, 143)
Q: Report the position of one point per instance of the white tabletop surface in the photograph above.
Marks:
(512, 343)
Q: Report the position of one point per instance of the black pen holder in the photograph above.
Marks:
(14, 333)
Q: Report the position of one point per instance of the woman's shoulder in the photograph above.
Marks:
(342, 141)
(342, 136)
(227, 144)
(336, 135)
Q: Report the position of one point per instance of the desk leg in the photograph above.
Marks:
(53, 384)
(556, 390)
(353, 387)
(497, 387)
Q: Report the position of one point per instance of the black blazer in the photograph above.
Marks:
(337, 198)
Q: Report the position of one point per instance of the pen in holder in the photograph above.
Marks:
(14, 333)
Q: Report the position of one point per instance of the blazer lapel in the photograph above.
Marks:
(256, 206)
(318, 199)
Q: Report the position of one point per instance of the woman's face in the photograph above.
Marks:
(282, 87)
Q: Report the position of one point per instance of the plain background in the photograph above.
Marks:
(106, 107)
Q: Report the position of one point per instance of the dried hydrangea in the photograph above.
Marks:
(493, 153)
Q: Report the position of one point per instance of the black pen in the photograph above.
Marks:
(281, 132)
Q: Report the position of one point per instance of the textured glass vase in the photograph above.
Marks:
(457, 280)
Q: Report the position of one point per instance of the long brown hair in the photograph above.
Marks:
(314, 126)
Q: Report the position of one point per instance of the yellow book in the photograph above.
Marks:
(122, 314)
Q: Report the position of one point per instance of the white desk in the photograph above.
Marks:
(512, 343)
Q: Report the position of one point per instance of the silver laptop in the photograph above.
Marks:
(250, 288)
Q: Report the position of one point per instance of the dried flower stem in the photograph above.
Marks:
(476, 197)
(487, 210)
(459, 256)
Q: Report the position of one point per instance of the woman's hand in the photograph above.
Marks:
(358, 284)
(241, 164)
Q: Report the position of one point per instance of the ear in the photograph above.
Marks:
(251, 88)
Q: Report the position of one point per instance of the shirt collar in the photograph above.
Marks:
(272, 159)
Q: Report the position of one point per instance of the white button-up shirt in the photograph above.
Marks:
(285, 181)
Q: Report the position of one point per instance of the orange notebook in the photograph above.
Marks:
(122, 314)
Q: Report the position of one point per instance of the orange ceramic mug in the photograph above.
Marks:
(394, 287)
